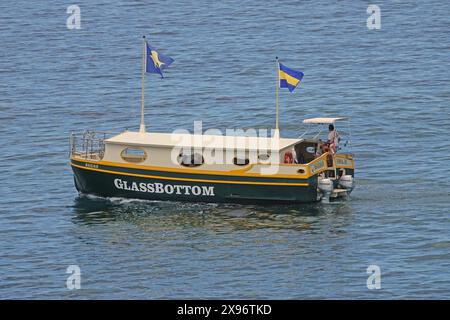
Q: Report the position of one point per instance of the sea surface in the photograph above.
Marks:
(393, 83)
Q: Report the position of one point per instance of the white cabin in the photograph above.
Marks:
(189, 150)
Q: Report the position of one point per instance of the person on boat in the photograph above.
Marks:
(333, 138)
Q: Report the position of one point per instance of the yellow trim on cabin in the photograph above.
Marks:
(194, 180)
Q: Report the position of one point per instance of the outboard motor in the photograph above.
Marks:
(346, 182)
(326, 187)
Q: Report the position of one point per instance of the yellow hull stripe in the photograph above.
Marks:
(193, 180)
(237, 173)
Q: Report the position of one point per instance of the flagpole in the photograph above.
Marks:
(144, 51)
(277, 131)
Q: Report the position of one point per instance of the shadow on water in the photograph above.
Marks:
(165, 215)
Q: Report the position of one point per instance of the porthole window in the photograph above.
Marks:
(241, 161)
(190, 159)
(134, 155)
(264, 156)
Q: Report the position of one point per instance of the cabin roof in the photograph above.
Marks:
(322, 120)
(157, 139)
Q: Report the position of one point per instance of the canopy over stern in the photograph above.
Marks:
(323, 120)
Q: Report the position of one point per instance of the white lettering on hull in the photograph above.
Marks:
(158, 187)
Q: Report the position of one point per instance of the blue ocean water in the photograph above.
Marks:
(393, 83)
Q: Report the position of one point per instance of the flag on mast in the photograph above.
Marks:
(156, 62)
(152, 62)
(289, 78)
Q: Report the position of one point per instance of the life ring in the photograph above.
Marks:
(288, 157)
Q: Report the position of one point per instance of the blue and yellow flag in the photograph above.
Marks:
(289, 78)
(156, 62)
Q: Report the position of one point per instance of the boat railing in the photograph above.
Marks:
(89, 145)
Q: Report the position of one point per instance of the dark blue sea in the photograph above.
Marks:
(392, 82)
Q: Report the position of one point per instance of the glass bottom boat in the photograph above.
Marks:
(212, 168)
